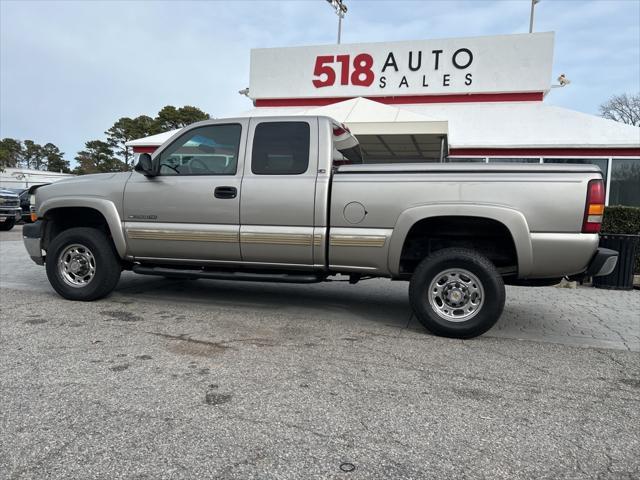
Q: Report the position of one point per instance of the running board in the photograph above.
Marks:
(221, 275)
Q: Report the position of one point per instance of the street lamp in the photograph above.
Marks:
(341, 10)
(533, 7)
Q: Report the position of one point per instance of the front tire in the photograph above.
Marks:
(457, 293)
(7, 225)
(82, 264)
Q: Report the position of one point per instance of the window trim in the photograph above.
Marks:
(189, 131)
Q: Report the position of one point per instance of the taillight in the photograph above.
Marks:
(340, 130)
(594, 208)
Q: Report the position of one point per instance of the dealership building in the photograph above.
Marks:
(476, 99)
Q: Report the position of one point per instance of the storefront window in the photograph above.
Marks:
(600, 162)
(625, 182)
(514, 160)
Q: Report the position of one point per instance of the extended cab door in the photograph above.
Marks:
(278, 192)
(191, 209)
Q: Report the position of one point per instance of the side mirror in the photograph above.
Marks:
(145, 165)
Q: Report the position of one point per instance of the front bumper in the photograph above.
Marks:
(8, 213)
(603, 263)
(32, 238)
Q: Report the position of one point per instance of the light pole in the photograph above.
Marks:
(341, 10)
(533, 7)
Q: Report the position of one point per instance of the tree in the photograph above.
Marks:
(55, 160)
(127, 129)
(33, 156)
(10, 153)
(170, 117)
(622, 108)
(189, 115)
(97, 158)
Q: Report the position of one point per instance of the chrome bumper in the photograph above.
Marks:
(6, 213)
(32, 237)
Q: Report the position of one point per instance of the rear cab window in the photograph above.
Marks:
(280, 148)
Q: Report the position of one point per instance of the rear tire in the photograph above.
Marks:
(82, 264)
(457, 293)
(7, 225)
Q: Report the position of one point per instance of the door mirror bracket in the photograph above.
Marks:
(145, 165)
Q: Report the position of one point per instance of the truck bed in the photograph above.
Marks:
(542, 204)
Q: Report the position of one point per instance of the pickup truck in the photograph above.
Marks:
(10, 211)
(289, 199)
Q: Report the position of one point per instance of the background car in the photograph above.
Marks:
(10, 211)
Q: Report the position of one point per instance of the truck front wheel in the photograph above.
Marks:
(82, 264)
(456, 292)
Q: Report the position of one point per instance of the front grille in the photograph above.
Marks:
(7, 202)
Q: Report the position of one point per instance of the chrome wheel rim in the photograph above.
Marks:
(456, 295)
(77, 265)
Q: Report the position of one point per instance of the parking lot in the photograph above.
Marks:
(212, 379)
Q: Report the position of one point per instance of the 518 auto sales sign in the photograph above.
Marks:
(495, 64)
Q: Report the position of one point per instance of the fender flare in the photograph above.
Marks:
(106, 207)
(512, 219)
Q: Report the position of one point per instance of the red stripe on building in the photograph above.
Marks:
(405, 99)
(545, 152)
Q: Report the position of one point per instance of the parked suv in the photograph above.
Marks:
(10, 211)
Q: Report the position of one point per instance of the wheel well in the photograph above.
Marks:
(484, 235)
(57, 220)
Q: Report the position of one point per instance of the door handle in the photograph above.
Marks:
(225, 192)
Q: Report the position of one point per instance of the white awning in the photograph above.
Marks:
(527, 125)
(364, 117)
(467, 125)
(153, 140)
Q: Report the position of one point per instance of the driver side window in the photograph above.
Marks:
(210, 150)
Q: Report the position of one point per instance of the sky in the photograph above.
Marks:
(70, 69)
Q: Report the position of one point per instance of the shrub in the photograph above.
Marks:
(623, 220)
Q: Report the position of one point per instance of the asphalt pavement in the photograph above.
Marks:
(212, 379)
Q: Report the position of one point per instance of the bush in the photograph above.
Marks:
(621, 220)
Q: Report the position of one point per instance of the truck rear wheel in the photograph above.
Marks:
(82, 264)
(457, 292)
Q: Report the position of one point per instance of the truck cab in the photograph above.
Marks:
(261, 202)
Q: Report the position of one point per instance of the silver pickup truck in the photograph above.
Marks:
(288, 199)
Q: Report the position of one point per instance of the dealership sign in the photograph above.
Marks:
(496, 64)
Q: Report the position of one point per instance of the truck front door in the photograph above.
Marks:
(278, 193)
(191, 209)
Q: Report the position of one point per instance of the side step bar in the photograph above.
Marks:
(222, 275)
